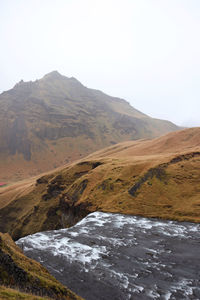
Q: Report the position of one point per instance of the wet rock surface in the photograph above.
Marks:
(112, 256)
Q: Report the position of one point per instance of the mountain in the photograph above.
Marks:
(56, 120)
(25, 275)
(152, 178)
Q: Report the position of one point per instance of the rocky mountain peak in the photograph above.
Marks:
(53, 75)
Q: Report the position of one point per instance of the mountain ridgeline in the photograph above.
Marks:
(56, 120)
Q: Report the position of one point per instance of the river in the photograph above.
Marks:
(120, 257)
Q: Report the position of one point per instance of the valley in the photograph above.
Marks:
(152, 178)
(100, 150)
(157, 179)
(93, 188)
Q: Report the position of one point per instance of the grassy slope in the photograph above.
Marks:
(14, 294)
(24, 274)
(153, 178)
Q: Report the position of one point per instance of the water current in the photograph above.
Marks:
(120, 257)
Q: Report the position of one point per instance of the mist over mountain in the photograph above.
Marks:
(55, 120)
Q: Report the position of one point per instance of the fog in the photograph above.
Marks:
(144, 51)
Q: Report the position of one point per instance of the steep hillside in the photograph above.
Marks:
(26, 275)
(55, 120)
(158, 178)
(13, 294)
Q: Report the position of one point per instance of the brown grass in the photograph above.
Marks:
(14, 294)
(65, 196)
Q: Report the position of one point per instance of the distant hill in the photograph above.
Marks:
(152, 178)
(55, 120)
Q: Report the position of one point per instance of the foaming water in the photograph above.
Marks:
(114, 256)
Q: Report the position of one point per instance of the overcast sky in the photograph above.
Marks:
(144, 51)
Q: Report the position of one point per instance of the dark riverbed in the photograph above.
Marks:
(118, 257)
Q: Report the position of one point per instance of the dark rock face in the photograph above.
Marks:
(15, 274)
(112, 256)
(17, 138)
(159, 171)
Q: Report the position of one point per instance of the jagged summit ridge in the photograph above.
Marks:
(53, 74)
